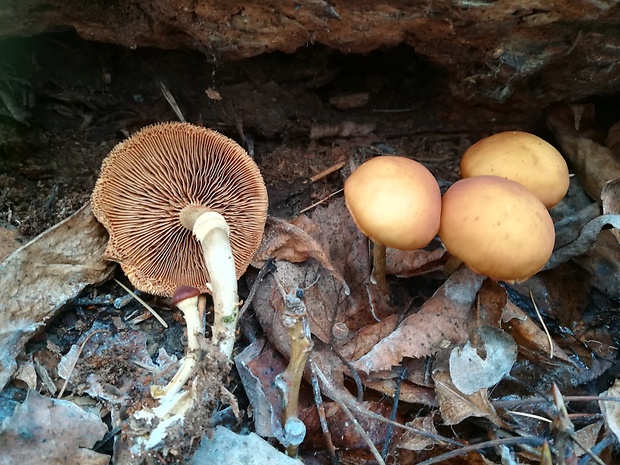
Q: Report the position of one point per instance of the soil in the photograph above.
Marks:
(67, 102)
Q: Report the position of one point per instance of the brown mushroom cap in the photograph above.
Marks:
(395, 201)
(521, 157)
(497, 227)
(149, 178)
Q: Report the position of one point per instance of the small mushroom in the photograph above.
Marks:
(168, 183)
(521, 157)
(396, 202)
(185, 299)
(497, 227)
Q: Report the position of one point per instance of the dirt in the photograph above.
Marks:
(71, 101)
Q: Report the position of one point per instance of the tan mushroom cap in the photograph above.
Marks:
(521, 157)
(395, 201)
(146, 181)
(497, 227)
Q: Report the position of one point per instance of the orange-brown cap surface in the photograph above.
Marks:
(395, 201)
(521, 157)
(147, 180)
(497, 227)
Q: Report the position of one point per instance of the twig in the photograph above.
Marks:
(147, 306)
(172, 102)
(390, 430)
(542, 400)
(356, 424)
(73, 365)
(483, 445)
(323, 200)
(543, 325)
(529, 415)
(318, 401)
(268, 267)
(326, 172)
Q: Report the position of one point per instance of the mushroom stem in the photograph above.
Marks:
(211, 229)
(378, 267)
(195, 327)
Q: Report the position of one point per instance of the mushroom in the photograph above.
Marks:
(168, 183)
(185, 298)
(396, 202)
(521, 157)
(497, 227)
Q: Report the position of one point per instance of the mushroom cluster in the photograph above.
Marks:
(183, 206)
(495, 219)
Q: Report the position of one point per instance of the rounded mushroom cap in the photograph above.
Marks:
(149, 178)
(521, 157)
(497, 227)
(395, 201)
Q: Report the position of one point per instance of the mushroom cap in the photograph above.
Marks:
(149, 178)
(521, 157)
(395, 201)
(497, 227)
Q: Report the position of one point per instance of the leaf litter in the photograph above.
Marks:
(455, 345)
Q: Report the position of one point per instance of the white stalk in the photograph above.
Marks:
(195, 326)
(212, 231)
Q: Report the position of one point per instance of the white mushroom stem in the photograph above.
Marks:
(211, 229)
(195, 327)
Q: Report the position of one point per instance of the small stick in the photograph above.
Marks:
(268, 267)
(543, 325)
(73, 365)
(326, 172)
(172, 102)
(323, 200)
(356, 424)
(147, 306)
(318, 401)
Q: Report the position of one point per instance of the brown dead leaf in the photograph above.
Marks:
(342, 433)
(611, 410)
(258, 366)
(8, 242)
(593, 163)
(39, 278)
(56, 430)
(529, 337)
(443, 320)
(408, 263)
(456, 406)
(412, 441)
(610, 197)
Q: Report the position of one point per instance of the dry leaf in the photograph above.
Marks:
(456, 406)
(56, 430)
(611, 410)
(485, 363)
(587, 235)
(412, 441)
(527, 334)
(258, 365)
(443, 319)
(610, 196)
(40, 277)
(408, 263)
(227, 448)
(593, 163)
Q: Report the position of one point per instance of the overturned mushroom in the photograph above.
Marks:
(168, 183)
